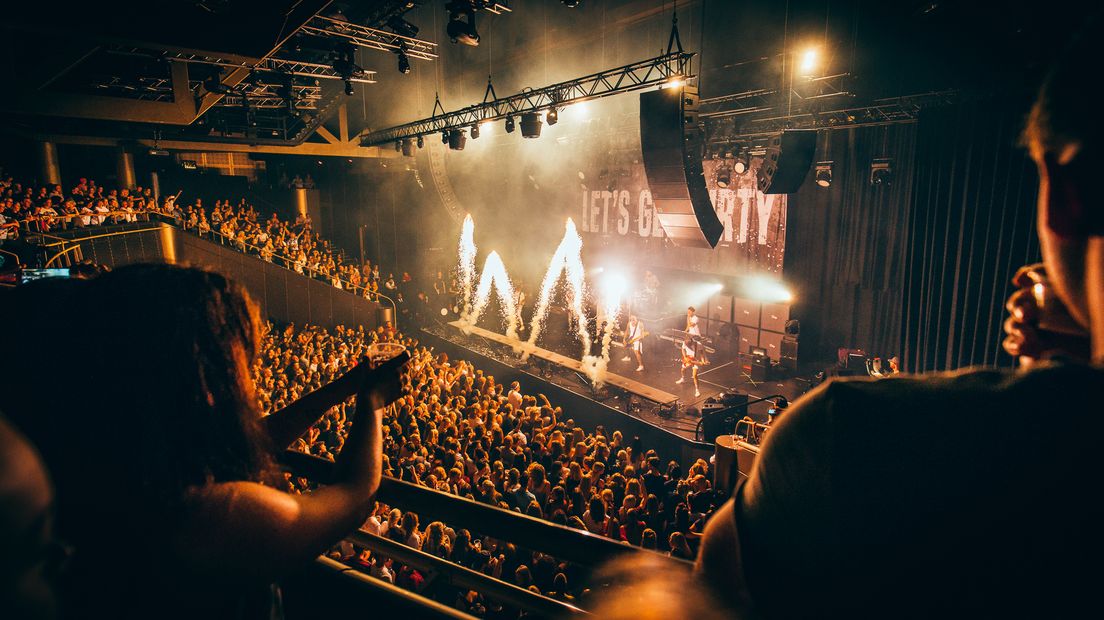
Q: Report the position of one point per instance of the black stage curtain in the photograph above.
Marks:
(918, 268)
(972, 225)
(845, 245)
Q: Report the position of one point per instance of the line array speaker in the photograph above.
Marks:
(787, 162)
(672, 146)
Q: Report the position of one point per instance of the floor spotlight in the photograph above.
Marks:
(509, 124)
(881, 171)
(457, 138)
(824, 173)
(552, 117)
(475, 131)
(530, 125)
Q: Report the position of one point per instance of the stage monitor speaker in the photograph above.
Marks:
(746, 312)
(789, 352)
(787, 162)
(672, 146)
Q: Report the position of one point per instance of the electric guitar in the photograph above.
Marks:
(630, 343)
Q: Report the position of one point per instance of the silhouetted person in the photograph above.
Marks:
(161, 460)
(948, 495)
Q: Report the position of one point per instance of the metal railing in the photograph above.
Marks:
(395, 599)
(30, 228)
(564, 543)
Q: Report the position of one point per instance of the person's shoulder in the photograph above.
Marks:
(965, 385)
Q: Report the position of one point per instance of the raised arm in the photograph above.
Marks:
(246, 531)
(288, 424)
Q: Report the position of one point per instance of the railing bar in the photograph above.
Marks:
(431, 607)
(465, 577)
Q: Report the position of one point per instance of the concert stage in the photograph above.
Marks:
(651, 396)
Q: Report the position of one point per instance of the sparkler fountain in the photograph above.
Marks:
(567, 266)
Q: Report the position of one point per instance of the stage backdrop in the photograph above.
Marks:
(919, 268)
(621, 216)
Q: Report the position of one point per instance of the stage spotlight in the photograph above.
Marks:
(740, 165)
(808, 64)
(461, 26)
(444, 137)
(348, 87)
(530, 125)
(456, 139)
(398, 145)
(408, 147)
(614, 286)
(404, 61)
(717, 287)
(402, 27)
(552, 117)
(675, 81)
(421, 142)
(475, 132)
(509, 124)
(824, 173)
(724, 175)
(881, 171)
(766, 290)
(571, 3)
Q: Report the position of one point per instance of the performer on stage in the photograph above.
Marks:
(634, 340)
(692, 322)
(693, 355)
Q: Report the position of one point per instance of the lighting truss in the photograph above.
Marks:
(300, 68)
(890, 111)
(370, 38)
(260, 95)
(770, 99)
(633, 77)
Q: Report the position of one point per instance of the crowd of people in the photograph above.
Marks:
(456, 430)
(295, 244)
(45, 208)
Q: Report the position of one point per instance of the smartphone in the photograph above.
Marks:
(30, 275)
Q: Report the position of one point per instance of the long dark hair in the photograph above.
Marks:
(137, 384)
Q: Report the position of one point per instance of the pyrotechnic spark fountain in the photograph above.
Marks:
(566, 261)
(467, 264)
(566, 264)
(494, 274)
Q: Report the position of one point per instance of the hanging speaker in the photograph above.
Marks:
(671, 143)
(787, 161)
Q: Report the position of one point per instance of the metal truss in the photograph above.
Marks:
(259, 95)
(637, 76)
(889, 111)
(370, 38)
(299, 68)
(770, 99)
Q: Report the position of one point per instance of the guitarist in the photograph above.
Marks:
(693, 356)
(634, 340)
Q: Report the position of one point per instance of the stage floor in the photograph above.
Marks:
(657, 379)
